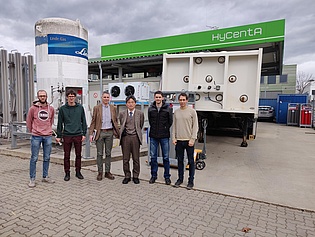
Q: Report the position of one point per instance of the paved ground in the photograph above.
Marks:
(268, 187)
(108, 208)
(277, 167)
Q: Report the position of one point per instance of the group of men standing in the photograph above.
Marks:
(72, 128)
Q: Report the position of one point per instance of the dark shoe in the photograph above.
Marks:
(109, 175)
(126, 180)
(152, 180)
(136, 180)
(178, 183)
(99, 176)
(167, 181)
(190, 185)
(79, 175)
(67, 176)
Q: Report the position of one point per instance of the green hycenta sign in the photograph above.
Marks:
(259, 33)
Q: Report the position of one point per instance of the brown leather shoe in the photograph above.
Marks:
(109, 175)
(99, 176)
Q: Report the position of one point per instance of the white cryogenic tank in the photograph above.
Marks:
(62, 60)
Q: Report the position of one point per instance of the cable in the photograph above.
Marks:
(208, 93)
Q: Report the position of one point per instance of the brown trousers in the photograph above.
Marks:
(67, 144)
(130, 144)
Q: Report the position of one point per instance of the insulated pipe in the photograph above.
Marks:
(1, 89)
(4, 96)
(25, 79)
(31, 93)
(19, 89)
(1, 92)
(120, 74)
(12, 86)
(5, 87)
(101, 80)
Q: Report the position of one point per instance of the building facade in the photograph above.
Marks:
(273, 85)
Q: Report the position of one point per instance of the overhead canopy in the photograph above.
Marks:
(147, 55)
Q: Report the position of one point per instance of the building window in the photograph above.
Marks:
(271, 79)
(262, 80)
(283, 78)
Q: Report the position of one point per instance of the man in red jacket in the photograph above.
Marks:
(39, 122)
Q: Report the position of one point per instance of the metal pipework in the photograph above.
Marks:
(31, 93)
(4, 87)
(12, 86)
(19, 89)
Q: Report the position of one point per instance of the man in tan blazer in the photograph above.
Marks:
(104, 122)
(131, 124)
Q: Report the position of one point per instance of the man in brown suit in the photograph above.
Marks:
(131, 124)
(104, 121)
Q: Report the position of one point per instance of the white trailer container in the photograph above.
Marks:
(226, 86)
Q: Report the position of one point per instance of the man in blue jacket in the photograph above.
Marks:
(160, 119)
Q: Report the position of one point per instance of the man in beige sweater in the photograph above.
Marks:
(184, 134)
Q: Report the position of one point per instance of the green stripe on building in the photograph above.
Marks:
(259, 33)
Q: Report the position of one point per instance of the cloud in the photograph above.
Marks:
(111, 22)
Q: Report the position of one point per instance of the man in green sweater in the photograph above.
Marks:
(72, 128)
(184, 134)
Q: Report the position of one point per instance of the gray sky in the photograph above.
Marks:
(119, 21)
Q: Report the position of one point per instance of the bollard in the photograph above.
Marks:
(13, 136)
(87, 147)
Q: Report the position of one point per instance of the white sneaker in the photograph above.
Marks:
(32, 183)
(48, 180)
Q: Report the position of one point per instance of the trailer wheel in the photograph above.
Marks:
(200, 165)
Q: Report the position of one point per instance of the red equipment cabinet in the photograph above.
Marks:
(306, 115)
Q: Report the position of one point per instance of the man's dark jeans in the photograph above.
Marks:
(180, 147)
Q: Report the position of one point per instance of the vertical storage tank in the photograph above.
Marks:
(61, 47)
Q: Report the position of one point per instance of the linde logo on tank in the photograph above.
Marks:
(54, 38)
(67, 45)
(83, 52)
(246, 34)
(57, 38)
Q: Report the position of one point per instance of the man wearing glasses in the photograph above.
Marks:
(40, 118)
(72, 128)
